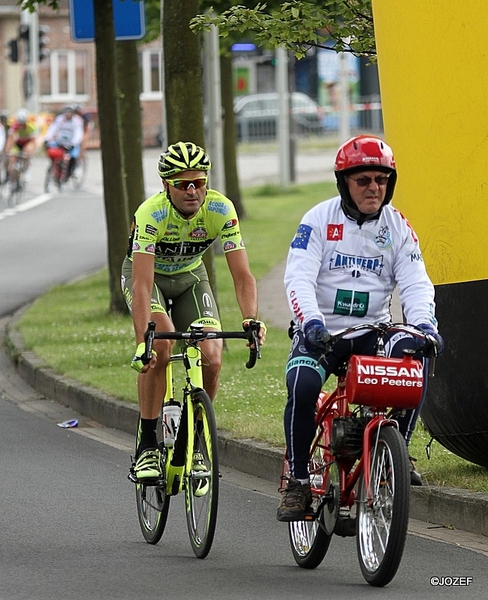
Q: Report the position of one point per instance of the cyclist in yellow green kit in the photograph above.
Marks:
(164, 271)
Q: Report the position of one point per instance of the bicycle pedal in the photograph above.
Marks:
(151, 481)
(345, 527)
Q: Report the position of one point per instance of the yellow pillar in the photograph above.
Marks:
(433, 69)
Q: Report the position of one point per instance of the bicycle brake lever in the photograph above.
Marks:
(149, 340)
(254, 350)
(432, 367)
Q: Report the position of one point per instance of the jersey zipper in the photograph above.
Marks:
(183, 237)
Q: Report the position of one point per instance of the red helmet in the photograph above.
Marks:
(363, 152)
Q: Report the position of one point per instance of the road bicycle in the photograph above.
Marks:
(58, 172)
(359, 461)
(190, 455)
(15, 184)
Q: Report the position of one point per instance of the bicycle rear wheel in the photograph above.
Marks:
(49, 179)
(15, 188)
(79, 172)
(382, 521)
(152, 504)
(310, 540)
(202, 482)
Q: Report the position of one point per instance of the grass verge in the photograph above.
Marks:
(71, 330)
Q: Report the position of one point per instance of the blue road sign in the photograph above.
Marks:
(129, 20)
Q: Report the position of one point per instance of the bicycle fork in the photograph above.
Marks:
(370, 447)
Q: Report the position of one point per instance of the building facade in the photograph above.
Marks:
(67, 75)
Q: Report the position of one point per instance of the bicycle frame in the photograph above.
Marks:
(333, 406)
(178, 459)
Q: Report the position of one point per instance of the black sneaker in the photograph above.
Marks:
(295, 499)
(415, 476)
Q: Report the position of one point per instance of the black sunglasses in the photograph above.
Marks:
(365, 181)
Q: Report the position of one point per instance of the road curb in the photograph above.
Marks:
(448, 507)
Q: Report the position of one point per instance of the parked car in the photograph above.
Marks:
(257, 114)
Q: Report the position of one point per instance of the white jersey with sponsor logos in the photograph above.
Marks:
(344, 274)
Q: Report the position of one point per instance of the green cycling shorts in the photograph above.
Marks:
(186, 297)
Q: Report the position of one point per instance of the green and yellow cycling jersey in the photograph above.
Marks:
(178, 243)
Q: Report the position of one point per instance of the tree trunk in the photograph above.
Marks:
(113, 181)
(130, 118)
(183, 73)
(183, 85)
(230, 141)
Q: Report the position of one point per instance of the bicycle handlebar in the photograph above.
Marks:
(197, 333)
(428, 349)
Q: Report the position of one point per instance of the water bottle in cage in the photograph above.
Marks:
(171, 421)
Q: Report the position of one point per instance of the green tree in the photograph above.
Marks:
(184, 85)
(118, 102)
(298, 24)
(115, 193)
(183, 81)
(130, 118)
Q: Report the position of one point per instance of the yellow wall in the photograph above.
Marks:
(433, 68)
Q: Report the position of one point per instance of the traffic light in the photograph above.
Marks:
(24, 31)
(13, 51)
(43, 42)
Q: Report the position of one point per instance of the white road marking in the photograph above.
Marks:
(27, 205)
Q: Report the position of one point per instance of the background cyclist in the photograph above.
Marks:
(66, 131)
(170, 233)
(88, 126)
(348, 255)
(21, 138)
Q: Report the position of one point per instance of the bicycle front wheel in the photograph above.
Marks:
(152, 502)
(152, 509)
(382, 519)
(202, 481)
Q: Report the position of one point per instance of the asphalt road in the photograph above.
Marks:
(69, 528)
(55, 237)
(68, 519)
